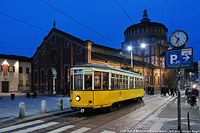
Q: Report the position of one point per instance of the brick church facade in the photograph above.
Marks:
(60, 51)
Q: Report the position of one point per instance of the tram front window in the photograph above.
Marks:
(78, 82)
(88, 82)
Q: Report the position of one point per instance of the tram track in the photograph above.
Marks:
(158, 109)
(86, 116)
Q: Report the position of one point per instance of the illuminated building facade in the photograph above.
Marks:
(15, 73)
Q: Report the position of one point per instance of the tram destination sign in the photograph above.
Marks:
(181, 58)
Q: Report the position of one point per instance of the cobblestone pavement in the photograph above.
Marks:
(122, 120)
(157, 113)
(9, 109)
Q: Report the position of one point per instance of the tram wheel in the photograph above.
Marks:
(139, 99)
(120, 104)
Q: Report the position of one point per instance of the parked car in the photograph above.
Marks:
(188, 90)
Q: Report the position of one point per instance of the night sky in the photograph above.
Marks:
(24, 23)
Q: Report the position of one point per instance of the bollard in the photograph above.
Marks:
(43, 106)
(21, 110)
(60, 106)
(188, 118)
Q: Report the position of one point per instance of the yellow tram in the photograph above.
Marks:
(98, 86)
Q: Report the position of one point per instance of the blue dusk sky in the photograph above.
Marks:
(24, 23)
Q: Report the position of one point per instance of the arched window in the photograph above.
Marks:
(53, 40)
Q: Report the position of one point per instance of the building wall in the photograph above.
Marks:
(56, 55)
(25, 77)
(13, 77)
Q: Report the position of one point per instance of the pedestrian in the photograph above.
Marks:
(175, 90)
(172, 91)
(164, 91)
(34, 95)
(167, 90)
(148, 90)
(28, 95)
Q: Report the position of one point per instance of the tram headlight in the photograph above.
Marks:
(78, 98)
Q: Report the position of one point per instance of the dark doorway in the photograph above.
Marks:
(5, 86)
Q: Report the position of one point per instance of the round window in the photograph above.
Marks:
(54, 56)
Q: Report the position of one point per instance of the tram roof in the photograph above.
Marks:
(105, 67)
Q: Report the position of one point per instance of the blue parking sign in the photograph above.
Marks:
(181, 58)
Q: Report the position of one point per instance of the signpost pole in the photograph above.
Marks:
(147, 78)
(199, 86)
(179, 100)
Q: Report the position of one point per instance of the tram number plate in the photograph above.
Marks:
(78, 93)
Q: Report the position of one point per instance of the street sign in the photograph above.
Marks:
(181, 58)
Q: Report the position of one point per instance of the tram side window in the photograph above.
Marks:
(120, 82)
(78, 82)
(113, 81)
(142, 83)
(88, 82)
(126, 82)
(136, 83)
(105, 81)
(71, 82)
(130, 82)
(117, 82)
(97, 80)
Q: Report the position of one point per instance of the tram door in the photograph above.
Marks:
(5, 86)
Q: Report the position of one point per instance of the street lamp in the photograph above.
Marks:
(130, 49)
(143, 45)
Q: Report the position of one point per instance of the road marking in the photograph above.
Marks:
(37, 127)
(156, 127)
(106, 131)
(20, 126)
(61, 129)
(81, 130)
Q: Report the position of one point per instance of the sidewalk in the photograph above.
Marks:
(9, 109)
(165, 119)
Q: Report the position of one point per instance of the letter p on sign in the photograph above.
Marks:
(172, 58)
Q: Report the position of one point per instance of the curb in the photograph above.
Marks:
(36, 117)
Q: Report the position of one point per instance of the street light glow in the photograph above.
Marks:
(129, 48)
(143, 45)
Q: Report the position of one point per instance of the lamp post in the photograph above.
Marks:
(130, 49)
(143, 46)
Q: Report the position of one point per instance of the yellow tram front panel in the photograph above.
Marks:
(86, 99)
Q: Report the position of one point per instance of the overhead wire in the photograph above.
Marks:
(124, 11)
(102, 15)
(175, 15)
(87, 27)
(22, 21)
(171, 16)
(190, 21)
